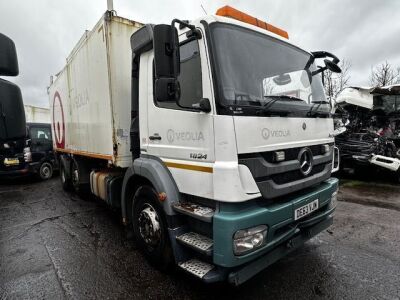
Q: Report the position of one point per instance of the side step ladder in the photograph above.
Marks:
(196, 267)
(197, 242)
(196, 211)
(204, 271)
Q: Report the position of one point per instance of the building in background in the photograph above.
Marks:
(35, 114)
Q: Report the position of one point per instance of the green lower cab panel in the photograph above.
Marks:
(278, 215)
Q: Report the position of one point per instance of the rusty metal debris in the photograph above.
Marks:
(368, 126)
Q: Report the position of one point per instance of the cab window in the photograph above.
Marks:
(190, 78)
(40, 133)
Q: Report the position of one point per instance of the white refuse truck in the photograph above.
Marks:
(213, 168)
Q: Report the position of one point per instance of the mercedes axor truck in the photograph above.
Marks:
(212, 137)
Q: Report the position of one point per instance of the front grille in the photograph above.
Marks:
(290, 154)
(291, 176)
(274, 178)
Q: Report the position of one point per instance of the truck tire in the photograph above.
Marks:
(65, 180)
(79, 187)
(150, 228)
(45, 171)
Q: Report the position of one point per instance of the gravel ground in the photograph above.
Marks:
(55, 245)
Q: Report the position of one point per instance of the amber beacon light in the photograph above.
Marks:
(233, 13)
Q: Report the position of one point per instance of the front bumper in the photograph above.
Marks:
(12, 172)
(278, 215)
(22, 169)
(244, 273)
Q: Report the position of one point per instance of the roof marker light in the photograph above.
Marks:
(233, 13)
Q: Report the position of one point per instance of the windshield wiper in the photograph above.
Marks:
(313, 112)
(266, 106)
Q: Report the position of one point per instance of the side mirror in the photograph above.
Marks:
(12, 114)
(166, 63)
(331, 66)
(8, 57)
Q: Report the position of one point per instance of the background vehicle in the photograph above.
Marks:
(370, 118)
(210, 167)
(12, 117)
(31, 155)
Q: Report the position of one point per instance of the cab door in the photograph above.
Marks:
(178, 134)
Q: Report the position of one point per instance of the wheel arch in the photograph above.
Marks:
(148, 170)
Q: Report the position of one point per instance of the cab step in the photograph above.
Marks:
(194, 210)
(196, 267)
(197, 242)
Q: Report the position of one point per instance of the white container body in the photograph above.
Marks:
(34, 114)
(90, 99)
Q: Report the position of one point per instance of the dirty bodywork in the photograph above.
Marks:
(368, 126)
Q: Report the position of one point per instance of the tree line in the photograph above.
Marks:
(382, 75)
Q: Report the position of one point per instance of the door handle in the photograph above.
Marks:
(155, 137)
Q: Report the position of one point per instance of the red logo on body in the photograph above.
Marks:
(58, 121)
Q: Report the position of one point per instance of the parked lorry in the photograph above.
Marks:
(31, 152)
(192, 135)
(24, 147)
(369, 126)
(12, 116)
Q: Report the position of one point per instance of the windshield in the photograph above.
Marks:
(257, 73)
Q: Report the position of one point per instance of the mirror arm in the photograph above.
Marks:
(322, 54)
(192, 38)
(183, 24)
(321, 69)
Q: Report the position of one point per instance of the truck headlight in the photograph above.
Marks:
(27, 154)
(333, 202)
(247, 240)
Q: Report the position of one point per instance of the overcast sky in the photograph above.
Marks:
(364, 32)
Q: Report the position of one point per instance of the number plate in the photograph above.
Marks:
(306, 210)
(11, 161)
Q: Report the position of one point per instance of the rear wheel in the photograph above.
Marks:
(45, 171)
(65, 180)
(76, 178)
(150, 228)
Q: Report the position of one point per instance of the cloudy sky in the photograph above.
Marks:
(366, 33)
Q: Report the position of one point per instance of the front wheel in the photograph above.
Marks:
(150, 228)
(46, 171)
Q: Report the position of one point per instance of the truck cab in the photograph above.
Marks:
(247, 142)
(221, 161)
